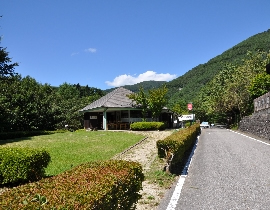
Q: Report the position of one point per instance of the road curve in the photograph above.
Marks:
(228, 171)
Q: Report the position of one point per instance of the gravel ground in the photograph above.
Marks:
(145, 153)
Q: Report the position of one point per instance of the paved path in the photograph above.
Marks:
(228, 171)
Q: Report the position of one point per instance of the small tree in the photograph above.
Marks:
(156, 100)
(141, 100)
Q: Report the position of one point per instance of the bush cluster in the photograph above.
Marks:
(20, 134)
(19, 165)
(147, 126)
(109, 184)
(177, 144)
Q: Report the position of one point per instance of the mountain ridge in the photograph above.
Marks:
(187, 86)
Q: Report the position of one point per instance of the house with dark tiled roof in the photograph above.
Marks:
(116, 111)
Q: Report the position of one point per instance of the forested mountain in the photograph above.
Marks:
(229, 95)
(187, 87)
(221, 89)
(147, 85)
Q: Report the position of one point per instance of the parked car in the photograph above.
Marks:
(204, 125)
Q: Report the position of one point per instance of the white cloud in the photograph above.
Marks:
(147, 76)
(91, 50)
(75, 53)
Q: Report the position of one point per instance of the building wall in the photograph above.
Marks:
(95, 119)
(259, 122)
(92, 120)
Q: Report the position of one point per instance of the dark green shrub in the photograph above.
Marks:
(146, 126)
(19, 165)
(112, 184)
(177, 144)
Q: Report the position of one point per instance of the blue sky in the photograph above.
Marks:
(109, 43)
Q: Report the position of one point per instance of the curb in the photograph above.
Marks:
(119, 155)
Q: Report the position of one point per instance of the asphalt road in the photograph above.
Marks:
(228, 171)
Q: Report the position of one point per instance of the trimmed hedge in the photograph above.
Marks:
(112, 184)
(20, 134)
(146, 126)
(177, 144)
(19, 165)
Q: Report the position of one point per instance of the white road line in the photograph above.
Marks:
(250, 137)
(176, 194)
(178, 188)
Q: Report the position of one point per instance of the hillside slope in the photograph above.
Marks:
(147, 85)
(188, 85)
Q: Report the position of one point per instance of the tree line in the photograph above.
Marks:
(26, 105)
(229, 95)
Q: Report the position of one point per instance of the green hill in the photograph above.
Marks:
(147, 85)
(188, 85)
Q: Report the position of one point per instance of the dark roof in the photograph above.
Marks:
(115, 99)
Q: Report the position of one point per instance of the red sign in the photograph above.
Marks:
(189, 106)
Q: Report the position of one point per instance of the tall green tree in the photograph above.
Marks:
(69, 99)
(6, 65)
(154, 101)
(259, 85)
(26, 105)
(66, 105)
(157, 100)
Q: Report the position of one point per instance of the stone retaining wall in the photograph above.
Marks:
(259, 122)
(262, 103)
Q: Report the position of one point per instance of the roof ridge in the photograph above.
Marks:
(107, 97)
(114, 92)
(111, 94)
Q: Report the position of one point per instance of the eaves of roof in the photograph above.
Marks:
(115, 99)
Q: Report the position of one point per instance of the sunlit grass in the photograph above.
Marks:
(73, 148)
(157, 175)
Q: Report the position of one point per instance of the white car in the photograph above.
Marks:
(204, 125)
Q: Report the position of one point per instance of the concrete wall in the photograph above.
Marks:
(259, 122)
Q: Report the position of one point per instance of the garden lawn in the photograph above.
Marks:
(70, 149)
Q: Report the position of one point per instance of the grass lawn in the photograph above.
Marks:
(73, 148)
